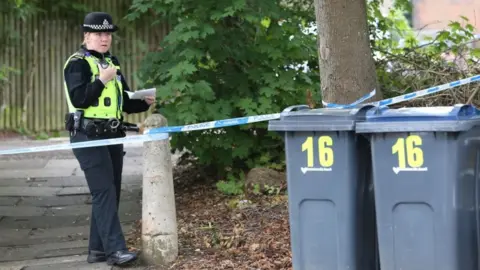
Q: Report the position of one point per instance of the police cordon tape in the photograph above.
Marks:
(154, 134)
(92, 143)
(162, 133)
(351, 105)
(409, 96)
(215, 124)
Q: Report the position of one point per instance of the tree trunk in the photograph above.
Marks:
(347, 68)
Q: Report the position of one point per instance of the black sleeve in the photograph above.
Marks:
(83, 93)
(130, 105)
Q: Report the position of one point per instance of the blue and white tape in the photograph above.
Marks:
(93, 143)
(215, 124)
(154, 134)
(405, 97)
(351, 105)
(162, 133)
(424, 92)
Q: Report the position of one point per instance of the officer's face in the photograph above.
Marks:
(99, 42)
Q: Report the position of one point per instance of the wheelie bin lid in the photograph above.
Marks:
(459, 117)
(302, 118)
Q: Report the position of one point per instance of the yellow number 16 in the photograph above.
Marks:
(409, 151)
(325, 152)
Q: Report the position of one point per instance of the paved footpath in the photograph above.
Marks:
(45, 208)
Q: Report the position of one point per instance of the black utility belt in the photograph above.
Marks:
(75, 122)
(103, 127)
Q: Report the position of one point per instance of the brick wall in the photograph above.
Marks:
(436, 14)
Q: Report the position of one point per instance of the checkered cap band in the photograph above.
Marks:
(105, 26)
(99, 26)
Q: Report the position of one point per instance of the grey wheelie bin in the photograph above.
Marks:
(330, 196)
(425, 169)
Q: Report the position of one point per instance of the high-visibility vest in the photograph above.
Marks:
(109, 104)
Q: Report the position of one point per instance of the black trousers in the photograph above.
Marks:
(102, 167)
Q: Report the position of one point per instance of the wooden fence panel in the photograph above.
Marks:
(34, 99)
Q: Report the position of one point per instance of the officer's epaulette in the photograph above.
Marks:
(80, 54)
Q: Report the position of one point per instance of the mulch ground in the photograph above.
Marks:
(224, 232)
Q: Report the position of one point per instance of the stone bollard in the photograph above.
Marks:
(159, 221)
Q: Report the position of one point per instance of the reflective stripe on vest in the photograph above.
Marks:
(109, 104)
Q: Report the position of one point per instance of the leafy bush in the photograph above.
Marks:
(229, 59)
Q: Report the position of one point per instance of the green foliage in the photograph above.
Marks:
(64, 9)
(229, 59)
(269, 161)
(408, 61)
(233, 186)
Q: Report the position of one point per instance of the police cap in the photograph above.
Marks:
(98, 22)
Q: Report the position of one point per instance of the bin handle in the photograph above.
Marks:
(465, 109)
(364, 109)
(296, 107)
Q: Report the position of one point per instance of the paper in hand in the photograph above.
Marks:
(140, 94)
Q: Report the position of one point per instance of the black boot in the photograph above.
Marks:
(95, 256)
(121, 257)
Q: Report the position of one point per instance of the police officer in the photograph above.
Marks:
(95, 92)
